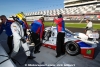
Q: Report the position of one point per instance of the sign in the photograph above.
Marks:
(88, 51)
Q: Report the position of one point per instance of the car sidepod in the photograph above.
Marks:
(87, 49)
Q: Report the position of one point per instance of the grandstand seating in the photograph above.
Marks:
(75, 10)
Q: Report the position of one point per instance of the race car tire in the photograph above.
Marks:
(72, 48)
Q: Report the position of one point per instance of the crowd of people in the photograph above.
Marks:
(16, 31)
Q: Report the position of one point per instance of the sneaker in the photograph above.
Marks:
(36, 52)
(63, 54)
(58, 56)
(31, 57)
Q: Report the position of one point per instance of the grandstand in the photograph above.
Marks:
(77, 8)
(73, 10)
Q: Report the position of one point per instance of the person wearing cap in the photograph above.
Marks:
(37, 28)
(5, 25)
(60, 48)
(89, 27)
(19, 39)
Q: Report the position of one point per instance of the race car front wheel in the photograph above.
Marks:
(72, 48)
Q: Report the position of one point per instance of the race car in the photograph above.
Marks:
(74, 45)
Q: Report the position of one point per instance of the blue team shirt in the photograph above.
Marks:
(6, 27)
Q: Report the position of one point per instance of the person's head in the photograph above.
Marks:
(20, 17)
(3, 18)
(60, 16)
(87, 20)
(42, 19)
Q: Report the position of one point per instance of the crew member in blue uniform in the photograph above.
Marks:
(60, 49)
(5, 25)
(37, 29)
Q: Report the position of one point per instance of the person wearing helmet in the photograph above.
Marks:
(37, 28)
(22, 19)
(60, 49)
(19, 39)
(5, 25)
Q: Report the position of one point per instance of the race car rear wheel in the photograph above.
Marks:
(72, 48)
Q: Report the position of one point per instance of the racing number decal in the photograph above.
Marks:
(88, 52)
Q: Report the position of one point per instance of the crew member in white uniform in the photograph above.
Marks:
(18, 39)
(89, 27)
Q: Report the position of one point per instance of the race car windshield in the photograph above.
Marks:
(68, 32)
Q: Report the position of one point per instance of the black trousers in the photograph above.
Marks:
(25, 34)
(43, 35)
(36, 40)
(10, 43)
(60, 47)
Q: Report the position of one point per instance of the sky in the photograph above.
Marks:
(10, 7)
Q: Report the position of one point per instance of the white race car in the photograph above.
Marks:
(74, 43)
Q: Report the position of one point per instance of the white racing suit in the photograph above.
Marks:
(18, 33)
(89, 28)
